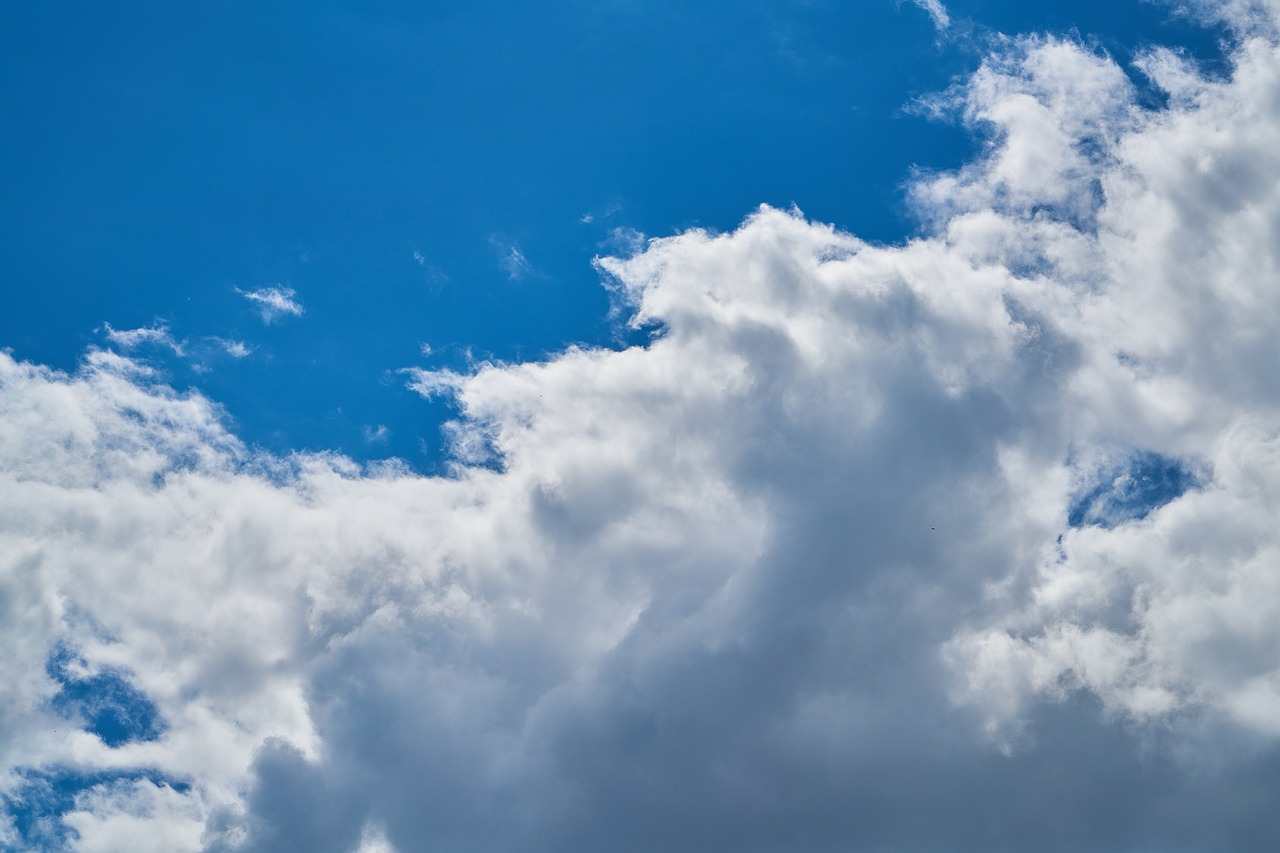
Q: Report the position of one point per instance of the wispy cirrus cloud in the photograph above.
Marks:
(157, 335)
(274, 302)
(511, 259)
(936, 11)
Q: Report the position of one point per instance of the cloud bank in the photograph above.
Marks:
(963, 544)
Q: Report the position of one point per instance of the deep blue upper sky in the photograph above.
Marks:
(385, 159)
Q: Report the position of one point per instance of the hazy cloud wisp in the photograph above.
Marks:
(937, 13)
(274, 302)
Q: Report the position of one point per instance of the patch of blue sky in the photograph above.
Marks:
(104, 702)
(438, 174)
(39, 802)
(1131, 491)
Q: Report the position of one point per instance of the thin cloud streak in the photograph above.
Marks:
(273, 302)
(157, 335)
(511, 260)
(937, 13)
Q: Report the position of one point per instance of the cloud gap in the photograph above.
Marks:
(1130, 490)
(37, 805)
(104, 701)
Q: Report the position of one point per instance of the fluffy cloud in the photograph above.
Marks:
(967, 543)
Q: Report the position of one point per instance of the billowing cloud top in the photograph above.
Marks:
(963, 544)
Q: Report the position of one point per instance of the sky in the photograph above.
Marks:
(755, 426)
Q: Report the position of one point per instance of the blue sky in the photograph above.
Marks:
(824, 426)
(385, 161)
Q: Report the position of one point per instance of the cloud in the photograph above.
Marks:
(623, 241)
(511, 259)
(937, 13)
(273, 302)
(134, 815)
(157, 335)
(863, 533)
(235, 349)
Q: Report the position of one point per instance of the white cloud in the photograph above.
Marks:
(138, 816)
(374, 840)
(936, 11)
(157, 335)
(235, 349)
(757, 585)
(273, 302)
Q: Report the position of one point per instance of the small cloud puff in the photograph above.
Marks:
(157, 335)
(602, 215)
(273, 302)
(235, 349)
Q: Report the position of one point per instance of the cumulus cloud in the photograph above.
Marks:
(966, 543)
(273, 302)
